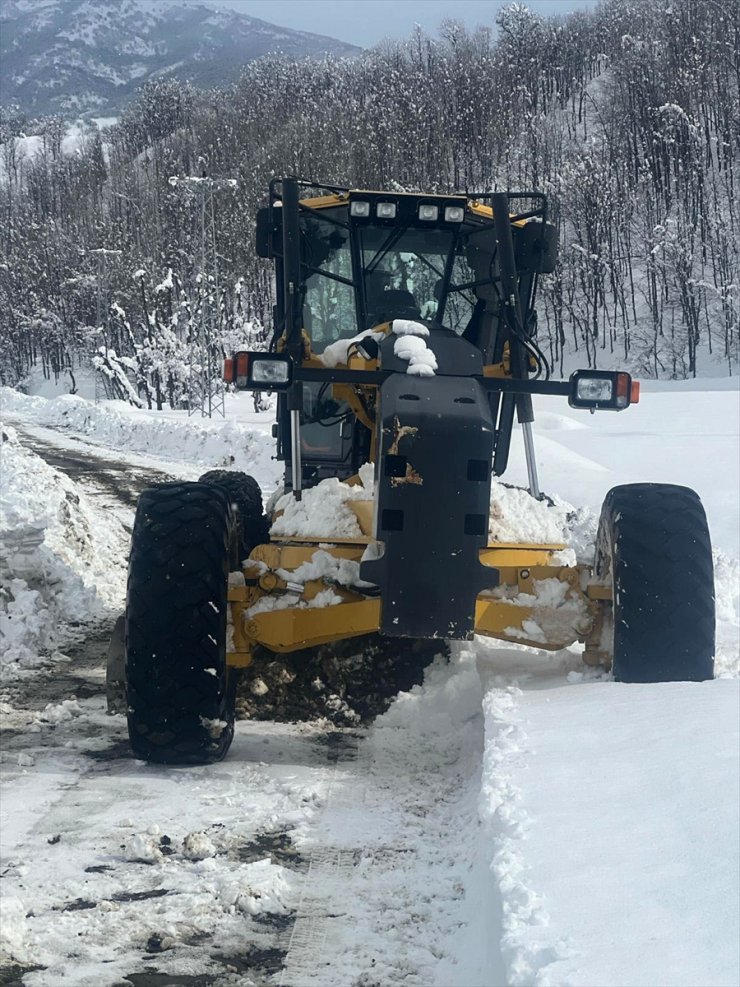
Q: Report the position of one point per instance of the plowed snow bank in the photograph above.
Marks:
(171, 435)
(60, 561)
(613, 810)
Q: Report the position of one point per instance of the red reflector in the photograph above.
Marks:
(242, 369)
(229, 370)
(635, 392)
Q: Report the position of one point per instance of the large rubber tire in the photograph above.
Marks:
(180, 692)
(653, 546)
(244, 492)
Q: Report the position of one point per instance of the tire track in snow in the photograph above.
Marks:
(506, 751)
(109, 477)
(326, 867)
(114, 833)
(400, 888)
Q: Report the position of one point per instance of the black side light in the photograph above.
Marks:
(602, 390)
(259, 371)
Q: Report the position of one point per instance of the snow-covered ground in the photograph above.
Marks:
(517, 819)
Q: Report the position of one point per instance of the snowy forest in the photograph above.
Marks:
(627, 116)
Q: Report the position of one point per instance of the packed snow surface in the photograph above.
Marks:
(614, 814)
(516, 819)
(213, 442)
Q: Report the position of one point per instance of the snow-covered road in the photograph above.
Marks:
(517, 819)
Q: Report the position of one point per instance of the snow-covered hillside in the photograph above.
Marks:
(80, 56)
(516, 819)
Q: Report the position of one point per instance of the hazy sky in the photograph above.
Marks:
(366, 22)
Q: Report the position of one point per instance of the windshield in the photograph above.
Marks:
(404, 271)
(403, 274)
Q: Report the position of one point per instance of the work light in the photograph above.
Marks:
(259, 371)
(594, 389)
(603, 390)
(386, 210)
(359, 208)
(272, 372)
(428, 213)
(454, 214)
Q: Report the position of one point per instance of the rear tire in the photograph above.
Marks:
(180, 691)
(244, 492)
(653, 546)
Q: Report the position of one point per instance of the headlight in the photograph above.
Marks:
(454, 214)
(602, 389)
(259, 371)
(386, 210)
(270, 371)
(428, 213)
(359, 207)
(588, 389)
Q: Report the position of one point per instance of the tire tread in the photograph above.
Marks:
(654, 544)
(176, 624)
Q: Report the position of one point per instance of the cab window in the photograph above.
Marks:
(329, 310)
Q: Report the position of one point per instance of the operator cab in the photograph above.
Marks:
(367, 258)
(364, 269)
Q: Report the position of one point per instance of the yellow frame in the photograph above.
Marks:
(292, 628)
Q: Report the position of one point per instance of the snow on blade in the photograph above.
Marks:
(516, 516)
(344, 572)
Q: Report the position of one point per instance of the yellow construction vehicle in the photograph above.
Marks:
(404, 345)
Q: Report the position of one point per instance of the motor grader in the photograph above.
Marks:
(405, 338)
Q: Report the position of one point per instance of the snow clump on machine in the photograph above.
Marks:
(323, 510)
(410, 345)
(338, 352)
(516, 516)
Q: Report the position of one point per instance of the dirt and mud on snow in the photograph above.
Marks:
(349, 683)
(198, 876)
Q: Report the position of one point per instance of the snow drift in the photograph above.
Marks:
(60, 561)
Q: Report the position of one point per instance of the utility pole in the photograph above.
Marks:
(102, 308)
(205, 389)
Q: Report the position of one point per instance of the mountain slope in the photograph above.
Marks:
(84, 56)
